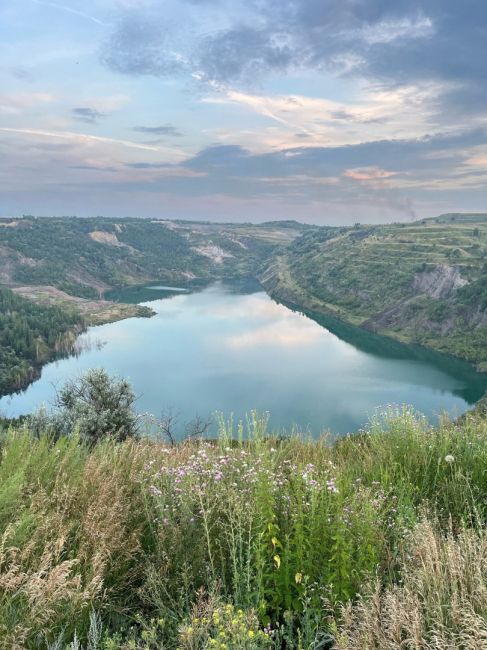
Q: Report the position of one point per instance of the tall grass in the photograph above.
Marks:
(248, 541)
(441, 601)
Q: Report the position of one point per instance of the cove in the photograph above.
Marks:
(229, 347)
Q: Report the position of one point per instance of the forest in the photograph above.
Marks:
(31, 334)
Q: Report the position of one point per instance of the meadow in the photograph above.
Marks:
(248, 541)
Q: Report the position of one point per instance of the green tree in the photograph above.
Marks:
(97, 406)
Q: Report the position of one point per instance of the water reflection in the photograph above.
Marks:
(231, 348)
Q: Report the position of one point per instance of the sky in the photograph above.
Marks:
(324, 111)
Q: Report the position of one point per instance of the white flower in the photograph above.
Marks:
(449, 459)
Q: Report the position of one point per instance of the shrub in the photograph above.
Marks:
(95, 405)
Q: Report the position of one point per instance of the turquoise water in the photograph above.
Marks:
(230, 348)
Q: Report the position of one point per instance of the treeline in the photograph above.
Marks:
(29, 335)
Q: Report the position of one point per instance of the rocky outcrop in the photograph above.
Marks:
(214, 252)
(108, 238)
(441, 282)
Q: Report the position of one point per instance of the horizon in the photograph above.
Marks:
(327, 113)
(262, 222)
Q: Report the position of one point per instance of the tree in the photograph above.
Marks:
(97, 406)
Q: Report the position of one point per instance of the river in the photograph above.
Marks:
(230, 348)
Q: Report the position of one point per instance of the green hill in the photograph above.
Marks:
(85, 257)
(424, 282)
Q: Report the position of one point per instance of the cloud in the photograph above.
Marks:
(390, 31)
(80, 138)
(387, 174)
(394, 155)
(243, 53)
(373, 174)
(17, 103)
(97, 168)
(377, 113)
(400, 42)
(23, 74)
(74, 12)
(166, 129)
(87, 114)
(142, 45)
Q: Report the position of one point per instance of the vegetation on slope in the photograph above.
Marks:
(247, 541)
(84, 257)
(30, 334)
(424, 282)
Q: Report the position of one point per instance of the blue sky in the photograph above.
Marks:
(327, 111)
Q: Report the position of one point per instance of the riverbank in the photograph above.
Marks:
(279, 282)
(370, 543)
(42, 324)
(94, 312)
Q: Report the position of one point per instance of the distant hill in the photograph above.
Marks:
(459, 217)
(85, 257)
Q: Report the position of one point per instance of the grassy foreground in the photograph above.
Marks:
(376, 541)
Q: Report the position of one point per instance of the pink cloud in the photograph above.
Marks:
(373, 174)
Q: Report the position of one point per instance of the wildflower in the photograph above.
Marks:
(331, 486)
(155, 491)
(449, 459)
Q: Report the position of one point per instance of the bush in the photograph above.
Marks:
(96, 406)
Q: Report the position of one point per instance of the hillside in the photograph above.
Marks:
(424, 282)
(85, 257)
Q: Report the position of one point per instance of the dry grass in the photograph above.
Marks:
(440, 604)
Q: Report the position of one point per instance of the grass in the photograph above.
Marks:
(247, 541)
